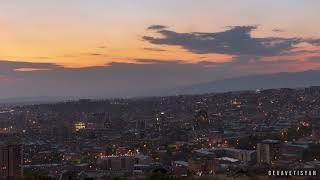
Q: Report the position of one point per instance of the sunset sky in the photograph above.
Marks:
(105, 47)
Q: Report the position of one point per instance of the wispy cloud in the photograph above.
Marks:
(277, 30)
(157, 27)
(95, 54)
(155, 49)
(315, 59)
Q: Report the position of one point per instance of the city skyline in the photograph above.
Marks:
(246, 134)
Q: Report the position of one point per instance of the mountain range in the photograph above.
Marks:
(253, 82)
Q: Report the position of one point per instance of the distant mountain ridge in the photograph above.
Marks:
(253, 82)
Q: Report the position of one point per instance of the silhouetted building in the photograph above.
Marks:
(268, 151)
(107, 122)
(117, 164)
(161, 122)
(11, 160)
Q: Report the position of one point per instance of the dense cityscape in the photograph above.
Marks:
(159, 90)
(234, 134)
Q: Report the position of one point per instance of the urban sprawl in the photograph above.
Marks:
(234, 134)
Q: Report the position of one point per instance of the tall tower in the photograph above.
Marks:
(11, 160)
(141, 124)
(161, 121)
(107, 122)
(268, 151)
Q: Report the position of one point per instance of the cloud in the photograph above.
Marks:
(277, 30)
(95, 54)
(157, 27)
(179, 62)
(145, 77)
(155, 49)
(156, 61)
(209, 63)
(315, 42)
(7, 67)
(315, 59)
(31, 69)
(41, 57)
(299, 52)
(119, 79)
(236, 40)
